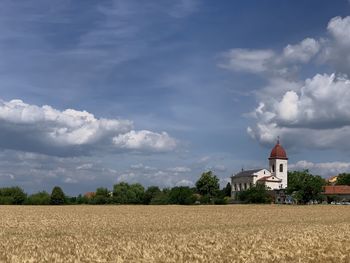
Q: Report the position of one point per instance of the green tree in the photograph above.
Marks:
(40, 198)
(303, 186)
(123, 193)
(257, 194)
(12, 196)
(102, 196)
(57, 196)
(182, 195)
(81, 200)
(139, 192)
(150, 193)
(343, 179)
(161, 198)
(208, 185)
(226, 191)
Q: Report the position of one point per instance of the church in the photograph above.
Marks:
(274, 178)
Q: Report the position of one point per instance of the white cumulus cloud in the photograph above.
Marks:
(145, 140)
(312, 112)
(324, 169)
(301, 52)
(339, 28)
(269, 62)
(71, 132)
(255, 61)
(317, 115)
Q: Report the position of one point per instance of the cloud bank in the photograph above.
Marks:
(323, 169)
(50, 131)
(310, 113)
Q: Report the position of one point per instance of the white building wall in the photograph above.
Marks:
(275, 165)
(243, 183)
(262, 173)
(272, 185)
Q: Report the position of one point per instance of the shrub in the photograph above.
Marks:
(257, 194)
(181, 195)
(40, 198)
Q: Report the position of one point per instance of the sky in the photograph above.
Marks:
(93, 93)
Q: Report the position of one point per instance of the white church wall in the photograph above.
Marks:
(260, 174)
(275, 165)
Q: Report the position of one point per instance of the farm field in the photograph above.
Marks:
(232, 233)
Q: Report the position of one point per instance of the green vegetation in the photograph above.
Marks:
(41, 198)
(304, 186)
(343, 179)
(207, 191)
(256, 195)
(57, 196)
(150, 194)
(123, 193)
(12, 196)
(208, 185)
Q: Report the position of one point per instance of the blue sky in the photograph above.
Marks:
(156, 92)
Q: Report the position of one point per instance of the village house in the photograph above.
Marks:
(334, 192)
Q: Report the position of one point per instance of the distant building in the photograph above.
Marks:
(337, 192)
(274, 178)
(89, 195)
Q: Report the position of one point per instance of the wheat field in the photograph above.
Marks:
(232, 233)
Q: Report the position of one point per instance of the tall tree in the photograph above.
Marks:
(304, 186)
(150, 193)
(123, 193)
(57, 196)
(102, 196)
(208, 184)
(181, 195)
(226, 191)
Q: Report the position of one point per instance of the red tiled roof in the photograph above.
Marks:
(278, 152)
(89, 194)
(337, 190)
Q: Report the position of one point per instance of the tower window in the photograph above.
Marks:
(281, 168)
(273, 168)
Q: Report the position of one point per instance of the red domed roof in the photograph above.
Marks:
(278, 152)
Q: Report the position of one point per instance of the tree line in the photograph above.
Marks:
(303, 187)
(206, 191)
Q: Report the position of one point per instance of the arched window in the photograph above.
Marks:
(273, 168)
(240, 187)
(245, 186)
(281, 168)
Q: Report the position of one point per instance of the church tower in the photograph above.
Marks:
(278, 163)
